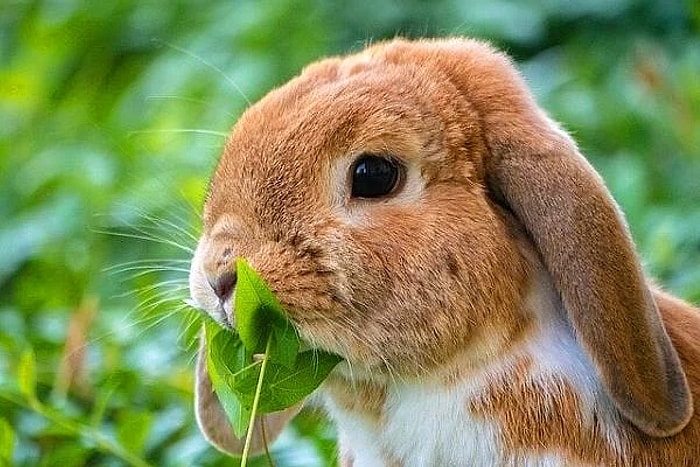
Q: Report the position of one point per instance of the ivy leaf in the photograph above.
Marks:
(259, 314)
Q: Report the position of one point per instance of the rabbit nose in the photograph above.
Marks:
(223, 284)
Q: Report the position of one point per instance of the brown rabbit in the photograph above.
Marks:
(418, 214)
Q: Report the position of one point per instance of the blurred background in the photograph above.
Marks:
(112, 116)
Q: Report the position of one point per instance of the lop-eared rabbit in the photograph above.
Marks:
(419, 215)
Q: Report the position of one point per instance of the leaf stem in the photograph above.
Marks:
(264, 441)
(256, 401)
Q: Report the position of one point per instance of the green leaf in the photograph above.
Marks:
(285, 344)
(259, 313)
(133, 428)
(284, 387)
(7, 442)
(26, 374)
(256, 307)
(224, 351)
(262, 327)
(290, 387)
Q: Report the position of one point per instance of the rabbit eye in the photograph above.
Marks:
(374, 176)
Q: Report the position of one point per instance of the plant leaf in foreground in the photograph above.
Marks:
(260, 315)
(284, 387)
(263, 329)
(225, 353)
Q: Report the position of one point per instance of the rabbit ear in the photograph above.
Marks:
(214, 424)
(585, 244)
(537, 170)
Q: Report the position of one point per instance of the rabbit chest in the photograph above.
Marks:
(540, 405)
(409, 424)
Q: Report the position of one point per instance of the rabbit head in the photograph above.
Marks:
(382, 197)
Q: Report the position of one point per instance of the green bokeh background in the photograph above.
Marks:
(112, 115)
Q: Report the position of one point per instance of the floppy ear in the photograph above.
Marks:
(581, 234)
(214, 424)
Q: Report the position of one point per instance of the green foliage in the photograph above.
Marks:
(284, 386)
(113, 114)
(282, 377)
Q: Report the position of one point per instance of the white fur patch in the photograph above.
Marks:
(426, 424)
(557, 354)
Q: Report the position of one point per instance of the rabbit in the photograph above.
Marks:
(419, 215)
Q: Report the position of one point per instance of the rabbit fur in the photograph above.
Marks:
(491, 310)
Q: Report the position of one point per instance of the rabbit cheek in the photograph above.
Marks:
(432, 304)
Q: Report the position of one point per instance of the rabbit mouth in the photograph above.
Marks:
(224, 312)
